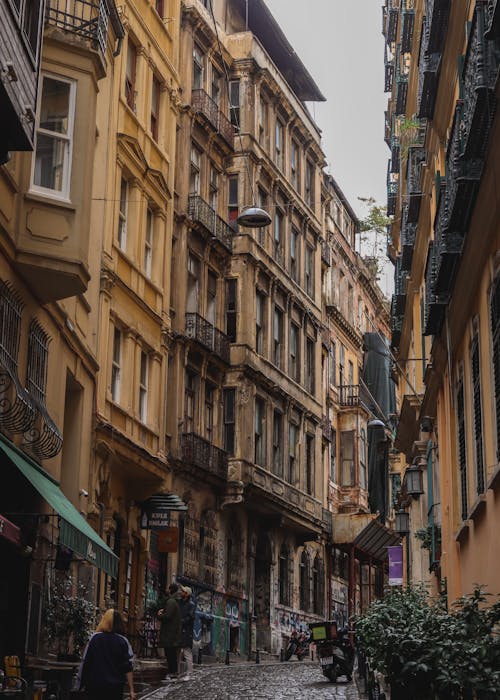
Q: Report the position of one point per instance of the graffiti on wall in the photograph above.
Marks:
(339, 602)
(287, 622)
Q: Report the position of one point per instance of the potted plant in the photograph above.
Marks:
(69, 619)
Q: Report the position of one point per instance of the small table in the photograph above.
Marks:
(59, 673)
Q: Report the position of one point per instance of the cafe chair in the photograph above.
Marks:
(14, 685)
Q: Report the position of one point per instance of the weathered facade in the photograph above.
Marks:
(442, 69)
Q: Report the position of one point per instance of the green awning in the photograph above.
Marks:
(74, 531)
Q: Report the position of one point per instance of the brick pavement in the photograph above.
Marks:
(273, 681)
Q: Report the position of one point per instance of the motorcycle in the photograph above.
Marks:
(335, 651)
(298, 645)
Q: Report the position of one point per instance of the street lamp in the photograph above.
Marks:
(402, 524)
(413, 481)
(254, 217)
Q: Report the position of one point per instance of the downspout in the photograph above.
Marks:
(101, 533)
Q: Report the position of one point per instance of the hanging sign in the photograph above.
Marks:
(168, 540)
(155, 519)
(395, 565)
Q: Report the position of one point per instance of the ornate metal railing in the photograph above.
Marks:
(85, 18)
(201, 212)
(392, 191)
(416, 159)
(408, 231)
(436, 12)
(434, 306)
(395, 154)
(349, 395)
(408, 24)
(401, 85)
(392, 24)
(206, 334)
(388, 125)
(202, 102)
(396, 323)
(201, 453)
(43, 437)
(428, 69)
(389, 76)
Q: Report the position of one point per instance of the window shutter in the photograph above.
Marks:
(495, 335)
(462, 454)
(478, 420)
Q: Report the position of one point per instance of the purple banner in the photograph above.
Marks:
(395, 565)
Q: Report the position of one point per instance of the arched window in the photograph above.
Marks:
(304, 581)
(318, 585)
(495, 336)
(285, 575)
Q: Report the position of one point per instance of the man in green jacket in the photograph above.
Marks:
(170, 628)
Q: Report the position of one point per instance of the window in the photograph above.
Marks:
(54, 136)
(194, 171)
(495, 338)
(189, 402)
(36, 371)
(231, 309)
(209, 412)
(292, 453)
(198, 68)
(159, 7)
(211, 296)
(143, 387)
(341, 365)
(477, 414)
(213, 195)
(310, 368)
(215, 88)
(28, 14)
(193, 284)
(148, 242)
(310, 464)
(363, 454)
(309, 270)
(278, 336)
(116, 364)
(278, 443)
(232, 204)
(294, 254)
(130, 75)
(294, 368)
(462, 447)
(278, 145)
(294, 164)
(350, 304)
(260, 432)
(285, 569)
(278, 236)
(350, 373)
(304, 581)
(309, 190)
(318, 587)
(347, 476)
(260, 322)
(333, 457)
(234, 103)
(155, 107)
(332, 364)
(229, 419)
(262, 203)
(122, 215)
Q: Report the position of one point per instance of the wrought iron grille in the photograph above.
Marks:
(201, 453)
(203, 103)
(207, 335)
(85, 18)
(349, 395)
(408, 232)
(201, 212)
(11, 307)
(434, 305)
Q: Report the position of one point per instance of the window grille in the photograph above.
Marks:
(38, 348)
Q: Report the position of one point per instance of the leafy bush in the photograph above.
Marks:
(427, 652)
(69, 618)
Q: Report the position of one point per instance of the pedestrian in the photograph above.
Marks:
(107, 661)
(188, 608)
(170, 629)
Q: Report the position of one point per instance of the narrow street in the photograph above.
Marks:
(280, 681)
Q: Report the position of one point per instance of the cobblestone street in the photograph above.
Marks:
(281, 681)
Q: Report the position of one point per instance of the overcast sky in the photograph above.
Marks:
(340, 42)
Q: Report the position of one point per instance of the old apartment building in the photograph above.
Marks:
(441, 69)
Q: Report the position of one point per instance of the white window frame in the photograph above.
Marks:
(116, 365)
(148, 242)
(64, 192)
(143, 386)
(123, 214)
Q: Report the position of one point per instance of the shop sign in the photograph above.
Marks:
(155, 519)
(395, 565)
(168, 540)
(9, 531)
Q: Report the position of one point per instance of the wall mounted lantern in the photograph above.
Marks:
(402, 524)
(414, 481)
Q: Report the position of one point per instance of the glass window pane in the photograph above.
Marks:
(54, 108)
(49, 162)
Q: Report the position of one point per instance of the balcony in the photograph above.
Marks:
(326, 254)
(85, 19)
(396, 324)
(428, 75)
(401, 93)
(416, 159)
(392, 191)
(200, 330)
(408, 24)
(434, 304)
(202, 213)
(387, 128)
(436, 12)
(202, 103)
(478, 79)
(389, 76)
(349, 395)
(408, 232)
(395, 154)
(392, 25)
(400, 280)
(202, 454)
(493, 20)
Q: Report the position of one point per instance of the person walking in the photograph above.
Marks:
(107, 661)
(188, 608)
(170, 629)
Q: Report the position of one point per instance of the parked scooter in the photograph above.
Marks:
(335, 651)
(298, 645)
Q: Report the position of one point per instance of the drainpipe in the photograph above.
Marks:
(101, 533)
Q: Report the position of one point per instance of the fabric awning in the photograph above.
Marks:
(75, 532)
(365, 532)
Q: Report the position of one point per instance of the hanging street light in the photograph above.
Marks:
(254, 217)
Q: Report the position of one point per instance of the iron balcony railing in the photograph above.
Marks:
(434, 306)
(416, 159)
(349, 395)
(392, 191)
(202, 102)
(201, 212)
(395, 154)
(408, 232)
(392, 25)
(389, 75)
(401, 84)
(408, 24)
(206, 334)
(428, 69)
(436, 12)
(396, 325)
(84, 18)
(388, 126)
(202, 454)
